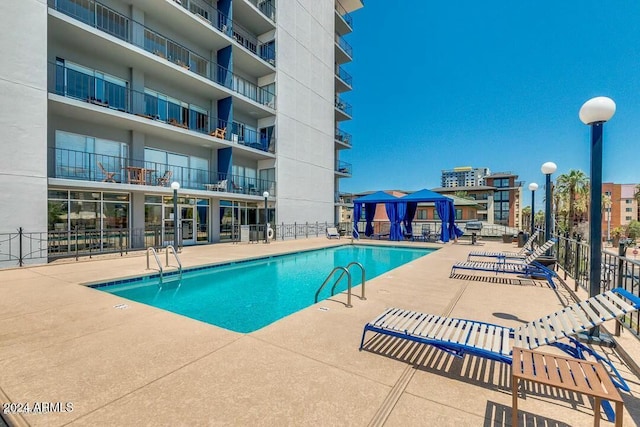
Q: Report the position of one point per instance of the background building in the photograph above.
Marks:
(464, 176)
(500, 198)
(624, 206)
(108, 102)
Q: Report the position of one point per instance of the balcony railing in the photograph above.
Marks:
(343, 167)
(221, 22)
(344, 45)
(345, 15)
(343, 137)
(111, 22)
(343, 106)
(344, 76)
(97, 167)
(70, 83)
(266, 7)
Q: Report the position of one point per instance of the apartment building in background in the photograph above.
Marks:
(464, 176)
(107, 103)
(499, 198)
(624, 206)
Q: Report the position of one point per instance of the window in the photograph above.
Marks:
(90, 85)
(87, 210)
(80, 156)
(628, 201)
(458, 214)
(627, 218)
(422, 214)
(628, 210)
(189, 171)
(267, 182)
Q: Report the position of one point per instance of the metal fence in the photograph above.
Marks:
(618, 271)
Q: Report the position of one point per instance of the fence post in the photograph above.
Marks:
(317, 231)
(76, 233)
(566, 253)
(295, 230)
(306, 230)
(622, 251)
(20, 259)
(120, 240)
(282, 228)
(576, 265)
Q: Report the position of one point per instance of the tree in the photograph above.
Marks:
(633, 230)
(574, 185)
(526, 218)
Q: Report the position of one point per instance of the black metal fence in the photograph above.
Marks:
(618, 271)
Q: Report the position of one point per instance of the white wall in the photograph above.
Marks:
(23, 115)
(305, 122)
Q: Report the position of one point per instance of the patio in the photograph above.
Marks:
(137, 365)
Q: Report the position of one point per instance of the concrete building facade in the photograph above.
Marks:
(106, 103)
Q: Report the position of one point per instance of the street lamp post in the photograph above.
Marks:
(533, 187)
(594, 113)
(547, 169)
(175, 186)
(266, 216)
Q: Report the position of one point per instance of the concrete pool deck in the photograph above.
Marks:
(138, 365)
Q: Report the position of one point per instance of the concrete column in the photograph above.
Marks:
(214, 221)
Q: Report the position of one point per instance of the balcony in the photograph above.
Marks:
(343, 21)
(114, 24)
(266, 8)
(70, 83)
(343, 80)
(343, 168)
(343, 110)
(343, 139)
(344, 51)
(147, 176)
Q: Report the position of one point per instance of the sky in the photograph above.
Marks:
(498, 84)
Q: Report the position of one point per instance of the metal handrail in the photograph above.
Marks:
(155, 255)
(363, 276)
(344, 270)
(171, 249)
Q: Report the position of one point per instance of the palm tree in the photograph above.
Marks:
(573, 184)
(526, 218)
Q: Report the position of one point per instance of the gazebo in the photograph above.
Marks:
(402, 210)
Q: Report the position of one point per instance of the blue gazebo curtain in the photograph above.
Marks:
(408, 217)
(396, 212)
(453, 229)
(369, 213)
(357, 212)
(444, 213)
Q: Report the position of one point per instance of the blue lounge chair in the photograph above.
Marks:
(460, 336)
(522, 253)
(526, 267)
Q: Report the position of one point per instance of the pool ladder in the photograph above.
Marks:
(168, 249)
(344, 270)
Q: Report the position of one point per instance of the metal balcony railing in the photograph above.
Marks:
(343, 167)
(343, 137)
(343, 75)
(343, 106)
(345, 15)
(266, 7)
(344, 45)
(68, 82)
(98, 167)
(113, 23)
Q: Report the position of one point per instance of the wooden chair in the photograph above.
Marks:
(108, 176)
(164, 179)
(218, 133)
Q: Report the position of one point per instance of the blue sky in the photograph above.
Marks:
(489, 84)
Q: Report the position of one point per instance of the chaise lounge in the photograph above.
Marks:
(461, 336)
(522, 253)
(526, 267)
(332, 232)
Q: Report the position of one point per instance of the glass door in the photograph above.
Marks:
(187, 224)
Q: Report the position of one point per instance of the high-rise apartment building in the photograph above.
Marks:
(464, 176)
(106, 103)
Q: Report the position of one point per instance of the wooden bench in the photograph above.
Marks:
(585, 377)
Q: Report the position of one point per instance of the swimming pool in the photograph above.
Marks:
(245, 296)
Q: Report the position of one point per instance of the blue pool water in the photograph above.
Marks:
(246, 296)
